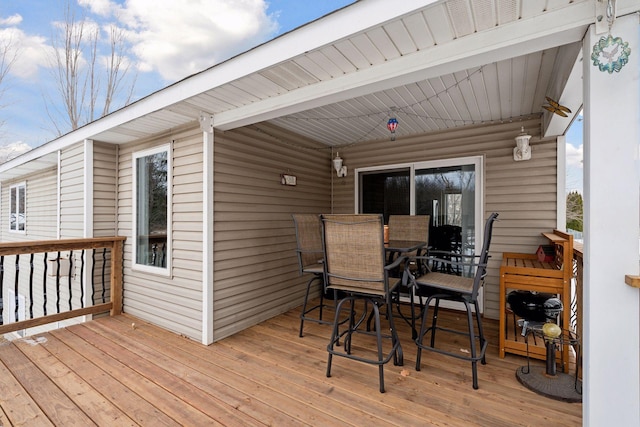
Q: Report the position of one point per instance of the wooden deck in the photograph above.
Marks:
(121, 371)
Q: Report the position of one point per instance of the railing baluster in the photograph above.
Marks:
(104, 264)
(58, 283)
(82, 279)
(69, 276)
(16, 286)
(44, 285)
(93, 277)
(31, 286)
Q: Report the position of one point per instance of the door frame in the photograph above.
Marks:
(477, 161)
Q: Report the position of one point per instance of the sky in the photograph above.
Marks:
(166, 41)
(574, 178)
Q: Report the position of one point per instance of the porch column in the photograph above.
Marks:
(206, 125)
(611, 336)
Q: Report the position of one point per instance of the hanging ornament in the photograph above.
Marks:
(392, 125)
(610, 53)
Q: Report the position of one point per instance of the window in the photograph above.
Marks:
(151, 204)
(18, 217)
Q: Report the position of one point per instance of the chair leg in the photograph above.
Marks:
(321, 302)
(483, 340)
(472, 342)
(303, 314)
(376, 317)
(398, 356)
(434, 322)
(335, 333)
(421, 334)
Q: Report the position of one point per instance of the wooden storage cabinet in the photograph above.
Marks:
(521, 271)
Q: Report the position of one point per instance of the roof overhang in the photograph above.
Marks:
(496, 60)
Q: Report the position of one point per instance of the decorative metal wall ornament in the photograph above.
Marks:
(392, 125)
(610, 54)
(556, 108)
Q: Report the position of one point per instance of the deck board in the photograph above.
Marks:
(122, 371)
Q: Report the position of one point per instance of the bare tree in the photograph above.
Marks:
(88, 83)
(8, 56)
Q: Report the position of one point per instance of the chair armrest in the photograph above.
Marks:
(446, 262)
(395, 263)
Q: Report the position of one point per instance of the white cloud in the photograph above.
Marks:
(177, 39)
(10, 151)
(30, 51)
(11, 20)
(574, 156)
(99, 7)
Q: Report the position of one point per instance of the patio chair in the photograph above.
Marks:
(355, 264)
(410, 227)
(439, 286)
(310, 259)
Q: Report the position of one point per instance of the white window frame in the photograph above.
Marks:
(16, 188)
(164, 271)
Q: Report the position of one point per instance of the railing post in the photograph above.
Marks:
(116, 278)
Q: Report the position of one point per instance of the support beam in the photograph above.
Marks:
(611, 336)
(206, 125)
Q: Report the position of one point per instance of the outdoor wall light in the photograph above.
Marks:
(337, 165)
(522, 151)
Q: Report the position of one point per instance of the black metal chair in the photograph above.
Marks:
(439, 286)
(355, 264)
(310, 260)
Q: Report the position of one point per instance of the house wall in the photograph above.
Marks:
(105, 180)
(523, 193)
(256, 272)
(41, 196)
(72, 192)
(173, 302)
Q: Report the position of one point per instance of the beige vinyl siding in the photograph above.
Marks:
(523, 193)
(173, 302)
(72, 180)
(105, 179)
(256, 272)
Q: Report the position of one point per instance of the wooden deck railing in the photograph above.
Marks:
(49, 272)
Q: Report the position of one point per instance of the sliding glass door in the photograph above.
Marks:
(449, 190)
(447, 194)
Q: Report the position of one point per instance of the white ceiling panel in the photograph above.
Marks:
(419, 30)
(484, 14)
(400, 37)
(370, 51)
(384, 44)
(461, 17)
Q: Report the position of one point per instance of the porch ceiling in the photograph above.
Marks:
(432, 64)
